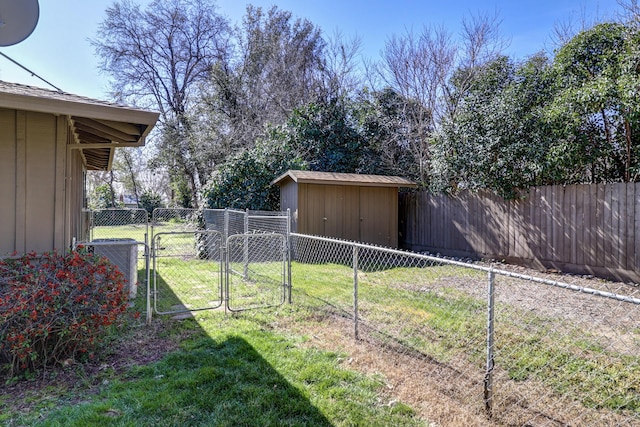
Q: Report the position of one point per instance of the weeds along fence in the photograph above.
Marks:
(523, 350)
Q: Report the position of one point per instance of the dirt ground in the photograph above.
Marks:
(448, 395)
(73, 382)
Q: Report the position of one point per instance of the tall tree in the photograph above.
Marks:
(128, 162)
(598, 81)
(498, 139)
(273, 69)
(419, 68)
(156, 58)
(383, 125)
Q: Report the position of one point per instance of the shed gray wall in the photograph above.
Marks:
(289, 200)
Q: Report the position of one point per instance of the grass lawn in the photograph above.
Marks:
(270, 367)
(229, 371)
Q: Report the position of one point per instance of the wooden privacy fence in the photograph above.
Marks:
(584, 229)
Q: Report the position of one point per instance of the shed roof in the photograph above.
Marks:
(98, 126)
(334, 178)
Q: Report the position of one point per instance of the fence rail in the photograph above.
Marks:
(585, 229)
(527, 350)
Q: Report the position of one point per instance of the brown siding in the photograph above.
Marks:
(333, 198)
(366, 214)
(8, 150)
(41, 180)
(352, 214)
(32, 169)
(60, 239)
(76, 228)
(379, 216)
(312, 209)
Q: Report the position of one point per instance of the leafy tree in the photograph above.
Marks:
(127, 163)
(245, 181)
(103, 197)
(597, 78)
(156, 58)
(419, 67)
(150, 201)
(498, 140)
(326, 137)
(386, 127)
(318, 136)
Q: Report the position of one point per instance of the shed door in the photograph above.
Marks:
(333, 211)
(315, 205)
(378, 213)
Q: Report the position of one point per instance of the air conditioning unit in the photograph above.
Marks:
(124, 254)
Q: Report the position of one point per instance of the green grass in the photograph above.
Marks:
(231, 372)
(399, 302)
(445, 323)
(192, 283)
(136, 232)
(571, 363)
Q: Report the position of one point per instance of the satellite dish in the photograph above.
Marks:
(18, 19)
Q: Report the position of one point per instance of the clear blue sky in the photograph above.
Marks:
(59, 50)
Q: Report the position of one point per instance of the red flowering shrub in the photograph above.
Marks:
(56, 307)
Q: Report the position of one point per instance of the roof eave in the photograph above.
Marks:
(76, 108)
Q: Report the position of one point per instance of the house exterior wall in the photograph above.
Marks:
(78, 221)
(36, 201)
(8, 181)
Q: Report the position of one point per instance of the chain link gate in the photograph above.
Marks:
(193, 270)
(256, 271)
(187, 271)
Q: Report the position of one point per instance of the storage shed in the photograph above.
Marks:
(356, 207)
(48, 140)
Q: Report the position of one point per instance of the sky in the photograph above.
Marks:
(59, 49)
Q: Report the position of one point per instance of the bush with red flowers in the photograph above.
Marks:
(56, 307)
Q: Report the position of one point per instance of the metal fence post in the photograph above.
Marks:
(152, 291)
(148, 251)
(488, 377)
(355, 291)
(226, 225)
(289, 252)
(246, 245)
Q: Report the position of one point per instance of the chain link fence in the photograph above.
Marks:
(510, 348)
(189, 265)
(119, 223)
(516, 349)
(122, 235)
(256, 268)
(164, 220)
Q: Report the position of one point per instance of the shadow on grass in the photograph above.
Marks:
(218, 381)
(212, 382)
(216, 378)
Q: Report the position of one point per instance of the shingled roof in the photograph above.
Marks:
(312, 177)
(98, 126)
